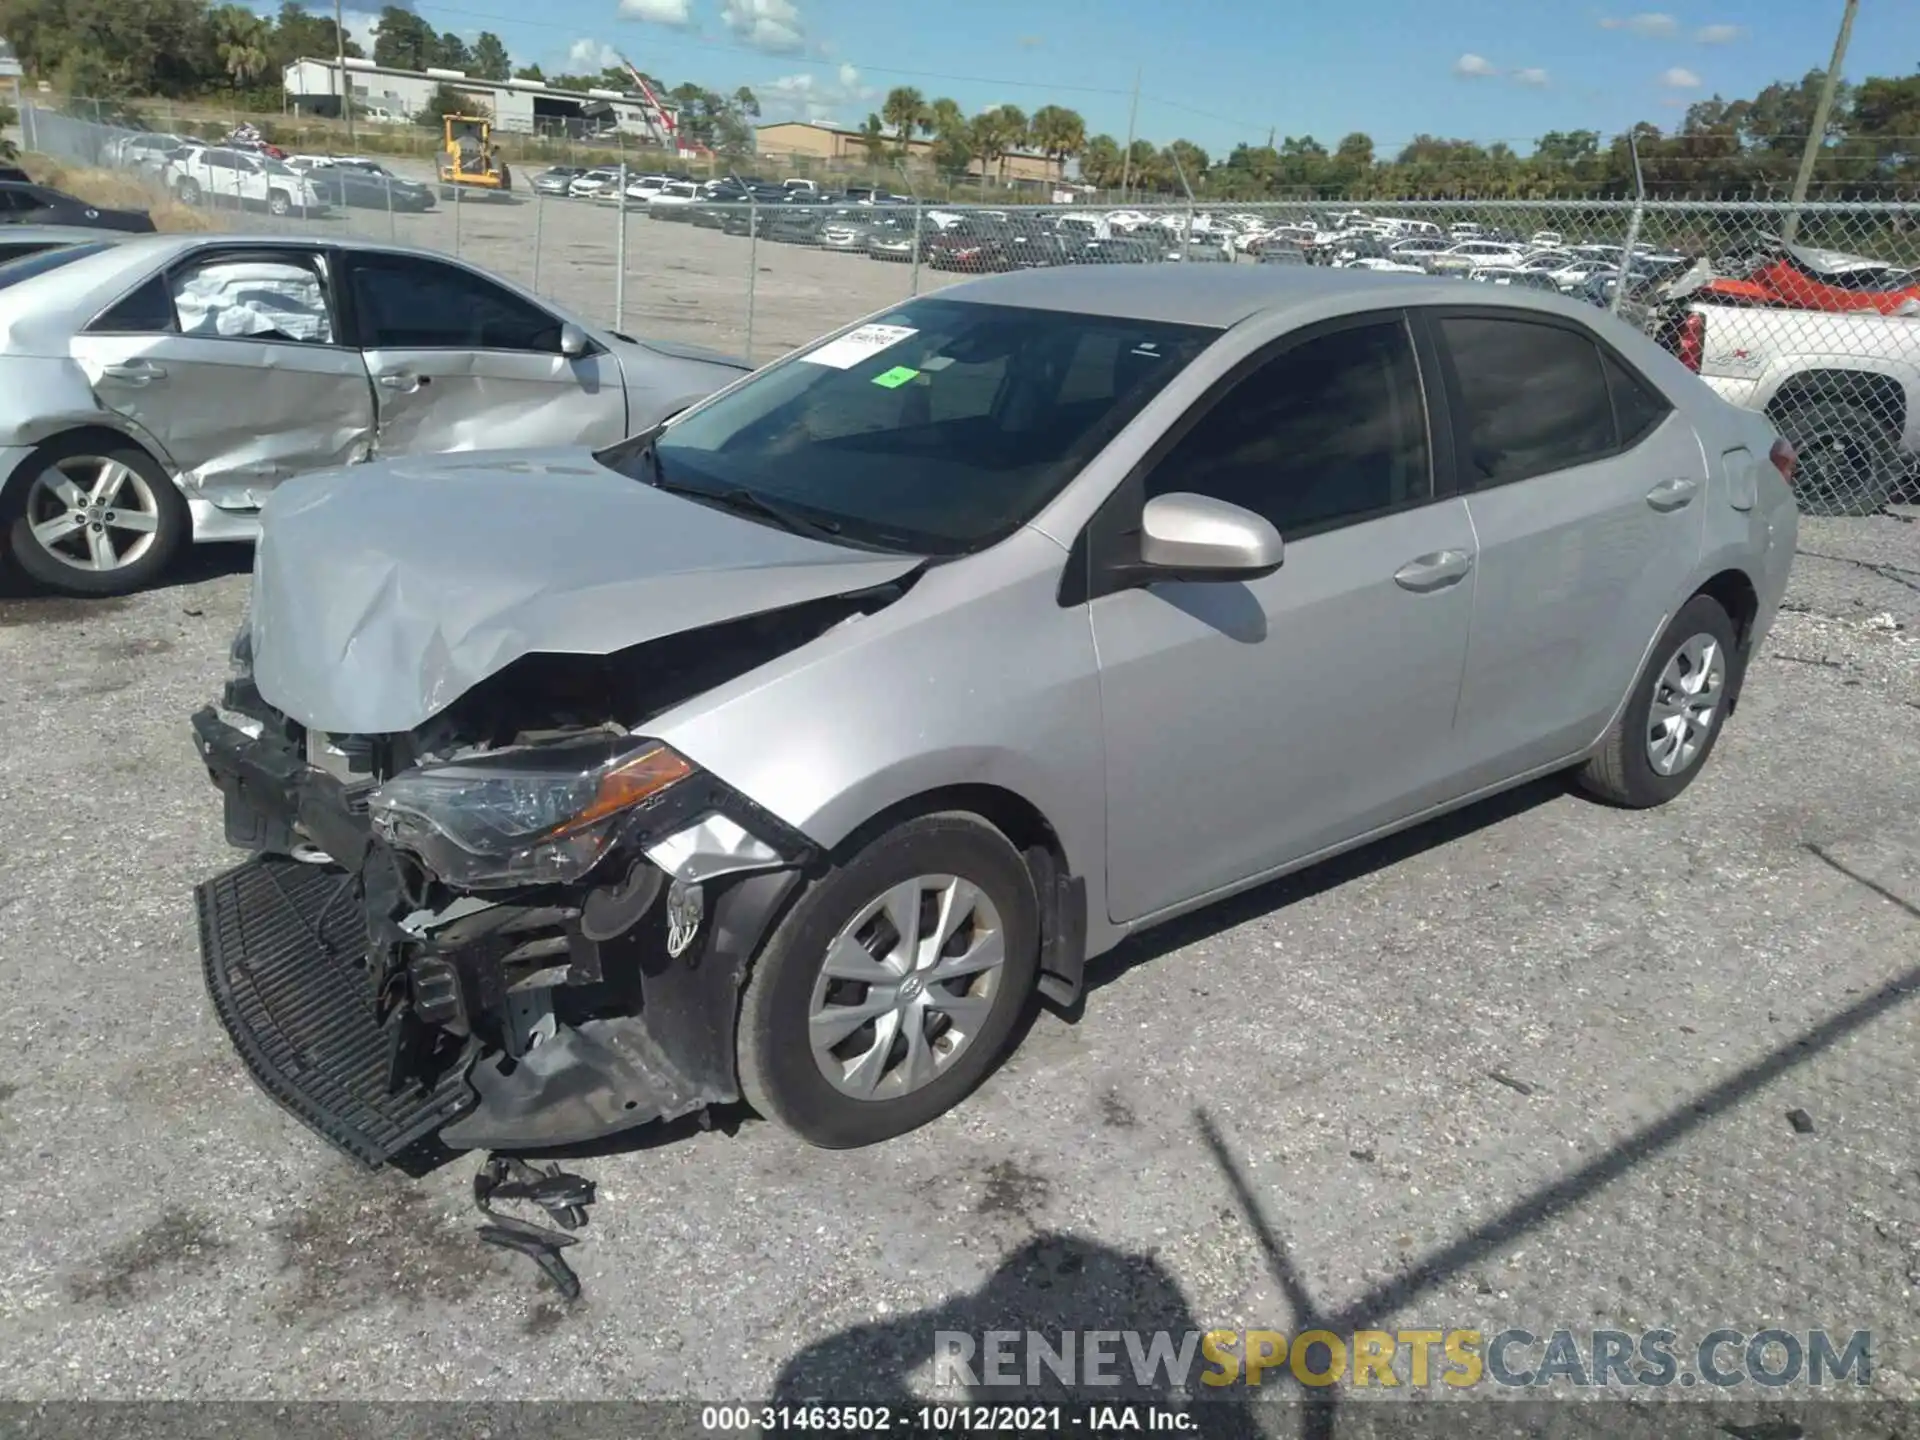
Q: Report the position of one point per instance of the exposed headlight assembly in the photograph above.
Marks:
(540, 815)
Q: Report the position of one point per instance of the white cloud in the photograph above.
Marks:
(774, 26)
(1680, 78)
(658, 12)
(1475, 65)
(362, 27)
(1535, 77)
(1720, 34)
(591, 56)
(1653, 25)
(807, 96)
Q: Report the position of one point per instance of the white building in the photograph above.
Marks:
(518, 106)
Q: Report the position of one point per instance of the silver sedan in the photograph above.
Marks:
(154, 391)
(886, 688)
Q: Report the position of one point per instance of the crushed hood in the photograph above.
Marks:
(383, 593)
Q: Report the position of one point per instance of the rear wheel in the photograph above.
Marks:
(1847, 457)
(96, 517)
(891, 988)
(1667, 729)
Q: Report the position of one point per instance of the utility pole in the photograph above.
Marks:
(1817, 139)
(340, 60)
(1126, 160)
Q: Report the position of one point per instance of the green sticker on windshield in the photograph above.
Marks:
(896, 377)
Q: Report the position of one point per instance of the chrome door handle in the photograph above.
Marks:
(1433, 572)
(407, 384)
(1672, 494)
(134, 372)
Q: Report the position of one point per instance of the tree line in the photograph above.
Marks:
(122, 50)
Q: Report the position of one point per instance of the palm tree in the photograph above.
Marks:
(1100, 162)
(1013, 130)
(991, 137)
(1059, 133)
(906, 110)
(945, 116)
(242, 40)
(873, 139)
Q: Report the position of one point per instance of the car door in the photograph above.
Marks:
(1585, 491)
(460, 362)
(232, 360)
(1249, 725)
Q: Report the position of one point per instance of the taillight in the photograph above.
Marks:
(1782, 455)
(1693, 341)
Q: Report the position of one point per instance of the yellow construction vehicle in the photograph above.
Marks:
(469, 159)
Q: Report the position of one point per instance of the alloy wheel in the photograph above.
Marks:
(906, 986)
(1686, 705)
(91, 512)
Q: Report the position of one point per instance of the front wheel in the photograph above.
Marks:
(189, 191)
(893, 985)
(279, 203)
(1664, 734)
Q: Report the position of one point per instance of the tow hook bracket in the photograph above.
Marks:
(563, 1195)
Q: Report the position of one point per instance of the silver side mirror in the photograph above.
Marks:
(1195, 537)
(573, 341)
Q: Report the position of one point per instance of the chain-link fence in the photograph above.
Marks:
(1811, 314)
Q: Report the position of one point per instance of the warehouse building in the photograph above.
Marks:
(525, 107)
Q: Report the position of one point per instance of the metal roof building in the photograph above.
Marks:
(516, 106)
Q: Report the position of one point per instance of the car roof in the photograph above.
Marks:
(1223, 296)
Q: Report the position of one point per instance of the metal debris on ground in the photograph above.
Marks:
(1801, 1121)
(562, 1194)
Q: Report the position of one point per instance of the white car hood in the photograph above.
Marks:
(384, 592)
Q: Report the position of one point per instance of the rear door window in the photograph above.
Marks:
(1533, 397)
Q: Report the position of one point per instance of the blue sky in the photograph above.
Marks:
(1215, 71)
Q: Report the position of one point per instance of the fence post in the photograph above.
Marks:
(913, 282)
(620, 253)
(1633, 227)
(539, 216)
(753, 266)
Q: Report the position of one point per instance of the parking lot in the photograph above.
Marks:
(682, 283)
(1528, 1066)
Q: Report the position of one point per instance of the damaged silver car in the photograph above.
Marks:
(154, 391)
(785, 751)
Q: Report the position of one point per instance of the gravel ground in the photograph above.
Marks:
(1528, 1066)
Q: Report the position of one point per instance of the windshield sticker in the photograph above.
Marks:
(857, 345)
(936, 362)
(896, 377)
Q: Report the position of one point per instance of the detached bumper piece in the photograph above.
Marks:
(563, 1195)
(282, 943)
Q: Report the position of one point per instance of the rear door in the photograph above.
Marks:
(232, 360)
(1586, 494)
(462, 363)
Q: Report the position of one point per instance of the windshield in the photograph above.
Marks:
(936, 430)
(28, 266)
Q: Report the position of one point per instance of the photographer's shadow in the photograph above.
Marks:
(1056, 1285)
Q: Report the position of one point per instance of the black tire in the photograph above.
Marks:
(279, 203)
(188, 189)
(47, 569)
(1620, 772)
(1849, 457)
(779, 1076)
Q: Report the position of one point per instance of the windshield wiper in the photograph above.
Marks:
(743, 501)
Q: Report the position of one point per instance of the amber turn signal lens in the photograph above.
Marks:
(627, 784)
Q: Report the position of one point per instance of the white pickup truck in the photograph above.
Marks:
(1842, 386)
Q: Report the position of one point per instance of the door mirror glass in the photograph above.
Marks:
(1195, 537)
(573, 341)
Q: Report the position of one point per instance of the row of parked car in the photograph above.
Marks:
(249, 173)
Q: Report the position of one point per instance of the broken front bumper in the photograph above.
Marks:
(389, 1015)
